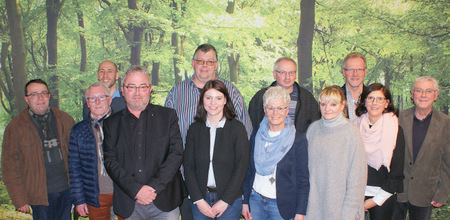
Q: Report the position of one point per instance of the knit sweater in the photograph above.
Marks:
(338, 170)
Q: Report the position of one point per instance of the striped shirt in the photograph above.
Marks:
(184, 97)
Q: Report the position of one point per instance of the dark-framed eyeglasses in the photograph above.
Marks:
(355, 70)
(208, 62)
(133, 87)
(34, 95)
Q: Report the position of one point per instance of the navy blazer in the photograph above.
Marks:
(230, 160)
(292, 178)
(163, 157)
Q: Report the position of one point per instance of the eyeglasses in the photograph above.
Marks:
(284, 73)
(208, 62)
(133, 87)
(379, 99)
(101, 98)
(272, 109)
(35, 95)
(354, 70)
(421, 91)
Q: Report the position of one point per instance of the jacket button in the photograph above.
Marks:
(132, 175)
(412, 178)
(410, 163)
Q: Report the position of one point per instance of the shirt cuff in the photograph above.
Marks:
(197, 201)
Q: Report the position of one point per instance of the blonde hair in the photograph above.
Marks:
(276, 93)
(333, 94)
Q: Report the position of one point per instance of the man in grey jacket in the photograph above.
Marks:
(427, 154)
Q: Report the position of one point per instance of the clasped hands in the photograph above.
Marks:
(146, 195)
(216, 211)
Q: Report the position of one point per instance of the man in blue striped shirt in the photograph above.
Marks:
(184, 98)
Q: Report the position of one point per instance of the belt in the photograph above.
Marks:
(262, 196)
(211, 189)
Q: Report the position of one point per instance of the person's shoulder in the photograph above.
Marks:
(162, 109)
(61, 115)
(441, 115)
(304, 92)
(19, 120)
(81, 125)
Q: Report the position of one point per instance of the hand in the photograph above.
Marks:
(82, 210)
(24, 209)
(146, 195)
(436, 204)
(368, 204)
(299, 217)
(219, 208)
(246, 212)
(205, 209)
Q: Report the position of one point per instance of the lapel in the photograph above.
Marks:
(124, 126)
(433, 128)
(150, 128)
(407, 126)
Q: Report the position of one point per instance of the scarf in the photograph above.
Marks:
(380, 139)
(98, 132)
(266, 158)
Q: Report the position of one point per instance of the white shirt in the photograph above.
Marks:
(212, 139)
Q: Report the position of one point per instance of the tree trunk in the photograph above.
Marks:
(176, 54)
(19, 75)
(53, 7)
(82, 39)
(137, 34)
(232, 57)
(304, 43)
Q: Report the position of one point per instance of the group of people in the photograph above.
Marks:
(350, 155)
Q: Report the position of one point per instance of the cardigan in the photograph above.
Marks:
(306, 112)
(230, 160)
(338, 170)
(23, 168)
(292, 178)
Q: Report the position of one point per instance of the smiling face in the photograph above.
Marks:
(203, 73)
(276, 116)
(137, 99)
(376, 103)
(353, 77)
(424, 95)
(330, 109)
(39, 104)
(107, 73)
(214, 101)
(285, 80)
(98, 108)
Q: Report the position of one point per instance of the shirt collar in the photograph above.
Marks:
(116, 94)
(219, 125)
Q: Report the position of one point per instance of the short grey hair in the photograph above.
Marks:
(97, 84)
(276, 93)
(427, 79)
(275, 66)
(353, 55)
(137, 69)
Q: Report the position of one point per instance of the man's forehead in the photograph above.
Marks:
(107, 66)
(97, 89)
(36, 87)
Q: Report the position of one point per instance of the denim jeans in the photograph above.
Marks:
(415, 212)
(150, 211)
(233, 212)
(263, 208)
(58, 209)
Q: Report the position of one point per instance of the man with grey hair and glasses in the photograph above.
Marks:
(143, 153)
(91, 187)
(427, 154)
(303, 108)
(354, 69)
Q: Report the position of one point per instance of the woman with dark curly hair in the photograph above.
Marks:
(385, 149)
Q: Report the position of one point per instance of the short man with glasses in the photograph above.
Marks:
(90, 186)
(108, 74)
(427, 154)
(184, 98)
(143, 152)
(303, 108)
(354, 69)
(34, 156)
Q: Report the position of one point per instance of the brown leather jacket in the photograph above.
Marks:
(23, 169)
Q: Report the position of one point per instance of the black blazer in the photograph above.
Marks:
(163, 157)
(230, 160)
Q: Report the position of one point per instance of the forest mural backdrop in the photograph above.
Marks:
(63, 42)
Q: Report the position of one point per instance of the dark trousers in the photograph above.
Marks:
(58, 208)
(186, 210)
(415, 212)
(383, 212)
